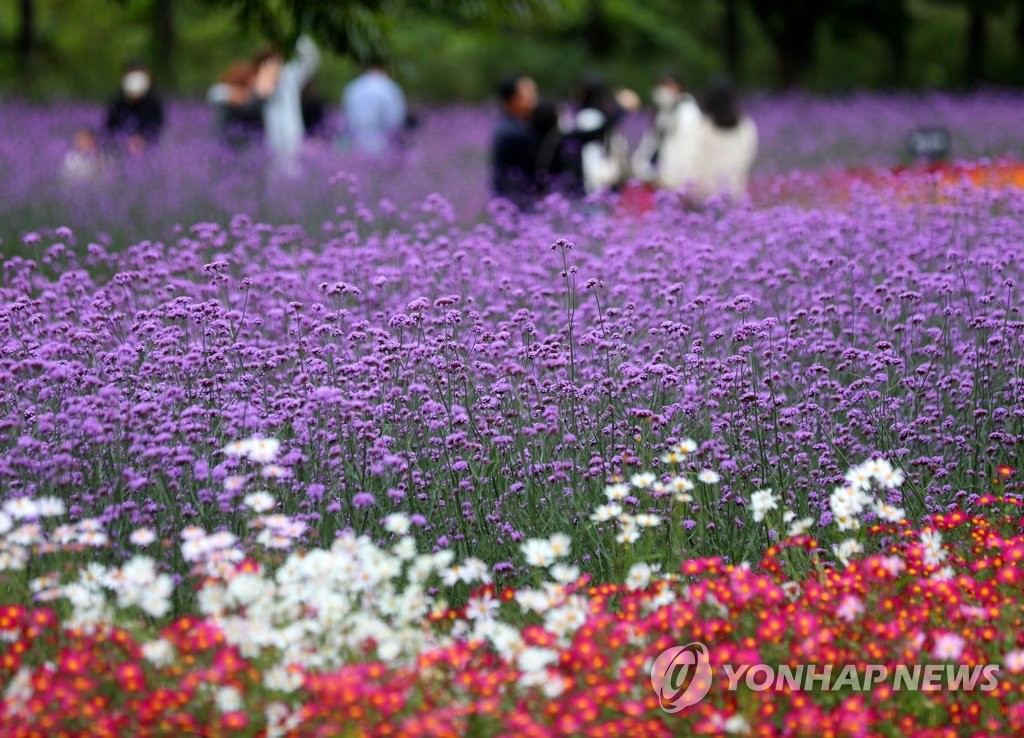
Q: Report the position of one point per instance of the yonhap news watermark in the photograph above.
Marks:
(682, 676)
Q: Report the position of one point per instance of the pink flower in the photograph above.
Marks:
(850, 608)
(1014, 661)
(948, 646)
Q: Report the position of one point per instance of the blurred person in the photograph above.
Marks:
(514, 143)
(558, 163)
(726, 145)
(239, 110)
(665, 155)
(605, 151)
(84, 161)
(278, 86)
(374, 109)
(136, 114)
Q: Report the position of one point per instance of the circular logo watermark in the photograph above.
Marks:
(681, 676)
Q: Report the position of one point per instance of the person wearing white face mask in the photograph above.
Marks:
(666, 154)
(136, 115)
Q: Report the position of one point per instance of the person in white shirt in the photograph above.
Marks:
(605, 150)
(665, 155)
(279, 85)
(374, 108)
(726, 146)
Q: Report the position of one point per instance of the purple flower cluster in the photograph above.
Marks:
(490, 379)
(487, 371)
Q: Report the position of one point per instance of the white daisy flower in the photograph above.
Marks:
(680, 484)
(932, 550)
(50, 507)
(262, 450)
(560, 545)
(397, 523)
(564, 573)
(639, 576)
(536, 659)
(604, 513)
(482, 608)
(642, 480)
(259, 502)
(22, 508)
(228, 699)
(616, 492)
(708, 476)
(847, 549)
(761, 502)
(687, 446)
(142, 537)
(887, 512)
(538, 552)
(159, 652)
(799, 527)
(645, 520)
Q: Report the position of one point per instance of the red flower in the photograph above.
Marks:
(234, 720)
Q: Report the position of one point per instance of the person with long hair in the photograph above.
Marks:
(726, 145)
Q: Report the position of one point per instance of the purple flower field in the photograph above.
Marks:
(192, 178)
(488, 372)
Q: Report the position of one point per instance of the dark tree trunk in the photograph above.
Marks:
(1018, 29)
(598, 35)
(1018, 37)
(976, 37)
(164, 42)
(898, 56)
(791, 28)
(731, 39)
(794, 53)
(25, 46)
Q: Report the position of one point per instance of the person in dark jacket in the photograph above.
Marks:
(136, 115)
(239, 110)
(514, 145)
(558, 166)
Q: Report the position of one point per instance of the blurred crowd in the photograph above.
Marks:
(702, 147)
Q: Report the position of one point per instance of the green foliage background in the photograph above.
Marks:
(440, 54)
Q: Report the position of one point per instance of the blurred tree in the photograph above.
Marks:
(361, 27)
(792, 27)
(976, 35)
(456, 49)
(888, 19)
